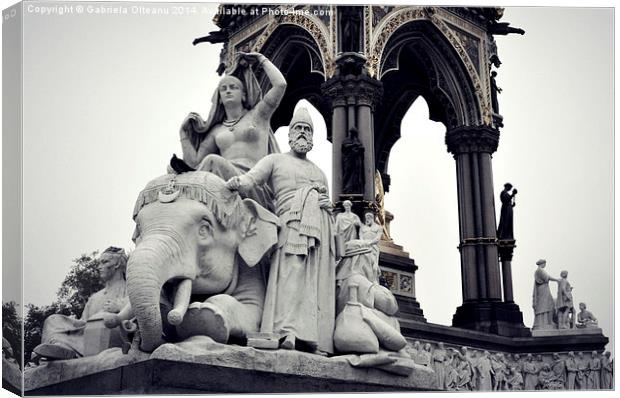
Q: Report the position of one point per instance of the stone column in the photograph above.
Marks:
(506, 249)
(367, 137)
(353, 95)
(339, 128)
(482, 307)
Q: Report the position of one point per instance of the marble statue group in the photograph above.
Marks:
(558, 313)
(241, 243)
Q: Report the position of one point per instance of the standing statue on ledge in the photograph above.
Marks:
(505, 228)
(237, 133)
(352, 163)
(380, 199)
(300, 298)
(347, 223)
(585, 319)
(370, 234)
(564, 303)
(63, 337)
(542, 301)
(494, 91)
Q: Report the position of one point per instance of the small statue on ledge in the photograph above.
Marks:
(585, 319)
(505, 230)
(352, 163)
(564, 303)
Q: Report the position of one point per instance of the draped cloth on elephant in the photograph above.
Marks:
(300, 298)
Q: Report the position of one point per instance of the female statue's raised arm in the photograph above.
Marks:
(272, 98)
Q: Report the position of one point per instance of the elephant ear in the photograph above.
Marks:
(260, 232)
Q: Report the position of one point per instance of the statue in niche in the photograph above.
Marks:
(351, 22)
(505, 227)
(352, 163)
(585, 319)
(299, 303)
(495, 89)
(514, 380)
(583, 368)
(571, 371)
(594, 377)
(237, 133)
(607, 371)
(380, 199)
(542, 301)
(564, 303)
(347, 223)
(63, 337)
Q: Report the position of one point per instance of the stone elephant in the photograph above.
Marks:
(196, 269)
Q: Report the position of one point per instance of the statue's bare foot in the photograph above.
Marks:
(288, 343)
(204, 319)
(54, 351)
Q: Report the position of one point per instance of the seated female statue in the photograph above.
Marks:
(237, 133)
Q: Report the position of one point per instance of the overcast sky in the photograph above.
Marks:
(105, 95)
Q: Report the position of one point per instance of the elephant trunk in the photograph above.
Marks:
(150, 266)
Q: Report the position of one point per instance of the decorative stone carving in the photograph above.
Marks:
(484, 370)
(583, 369)
(515, 380)
(347, 224)
(65, 338)
(213, 294)
(472, 139)
(352, 163)
(370, 234)
(607, 370)
(313, 26)
(585, 318)
(351, 25)
(500, 372)
(542, 302)
(530, 371)
(301, 288)
(564, 303)
(571, 371)
(223, 144)
(439, 363)
(505, 229)
(594, 376)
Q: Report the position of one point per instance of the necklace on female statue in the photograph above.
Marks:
(232, 123)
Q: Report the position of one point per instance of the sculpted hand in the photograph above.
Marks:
(253, 57)
(234, 183)
(112, 306)
(187, 122)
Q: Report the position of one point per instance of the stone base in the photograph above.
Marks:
(504, 319)
(199, 365)
(392, 257)
(456, 337)
(565, 332)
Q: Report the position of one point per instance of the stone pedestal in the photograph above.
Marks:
(199, 365)
(504, 319)
(398, 271)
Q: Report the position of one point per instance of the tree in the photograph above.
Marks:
(12, 329)
(82, 281)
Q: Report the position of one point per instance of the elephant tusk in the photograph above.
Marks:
(181, 301)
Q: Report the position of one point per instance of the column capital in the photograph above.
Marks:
(353, 90)
(468, 139)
